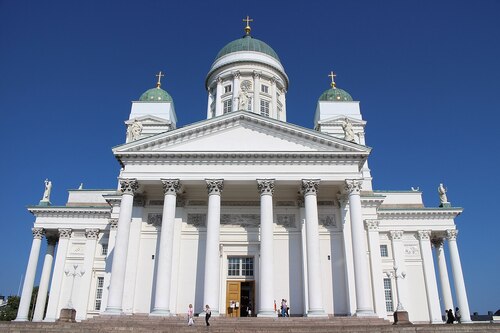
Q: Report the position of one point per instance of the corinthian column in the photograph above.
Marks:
(443, 273)
(310, 190)
(363, 302)
(458, 277)
(429, 277)
(44, 280)
(29, 280)
(212, 271)
(128, 187)
(218, 94)
(164, 271)
(266, 304)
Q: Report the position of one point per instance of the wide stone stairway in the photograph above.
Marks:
(144, 323)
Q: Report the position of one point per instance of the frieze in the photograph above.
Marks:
(285, 203)
(197, 203)
(154, 219)
(156, 202)
(286, 220)
(411, 250)
(241, 203)
(244, 220)
(197, 220)
(327, 220)
(326, 203)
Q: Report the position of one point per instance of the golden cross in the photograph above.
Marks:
(332, 75)
(159, 76)
(247, 28)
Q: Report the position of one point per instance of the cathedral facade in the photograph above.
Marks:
(243, 210)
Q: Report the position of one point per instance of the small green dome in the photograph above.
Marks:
(156, 95)
(335, 95)
(247, 43)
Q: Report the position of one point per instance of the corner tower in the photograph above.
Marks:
(247, 75)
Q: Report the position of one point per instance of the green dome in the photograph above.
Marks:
(156, 95)
(335, 95)
(247, 43)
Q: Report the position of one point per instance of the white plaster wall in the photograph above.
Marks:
(146, 269)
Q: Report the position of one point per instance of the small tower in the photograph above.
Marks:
(247, 75)
(153, 113)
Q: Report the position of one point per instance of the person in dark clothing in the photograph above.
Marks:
(449, 315)
(208, 314)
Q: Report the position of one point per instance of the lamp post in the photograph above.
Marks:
(400, 315)
(68, 313)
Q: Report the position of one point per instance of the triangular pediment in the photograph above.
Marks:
(340, 120)
(241, 132)
(148, 120)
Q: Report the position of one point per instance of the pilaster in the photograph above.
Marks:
(372, 227)
(82, 301)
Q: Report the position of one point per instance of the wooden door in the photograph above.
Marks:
(233, 295)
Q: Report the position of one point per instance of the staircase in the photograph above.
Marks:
(145, 323)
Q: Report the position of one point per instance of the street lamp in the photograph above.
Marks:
(400, 315)
(68, 313)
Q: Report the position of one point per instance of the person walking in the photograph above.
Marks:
(457, 315)
(449, 316)
(190, 315)
(208, 314)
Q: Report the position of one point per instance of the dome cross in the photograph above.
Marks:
(332, 75)
(247, 28)
(159, 76)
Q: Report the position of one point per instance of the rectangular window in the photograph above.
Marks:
(264, 108)
(383, 251)
(227, 106)
(389, 305)
(264, 89)
(240, 266)
(104, 249)
(227, 89)
(98, 292)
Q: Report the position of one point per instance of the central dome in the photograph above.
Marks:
(247, 43)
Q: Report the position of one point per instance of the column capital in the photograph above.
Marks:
(256, 75)
(214, 186)
(64, 233)
(92, 233)
(171, 186)
(236, 74)
(437, 242)
(128, 185)
(113, 224)
(372, 225)
(265, 186)
(51, 240)
(342, 198)
(396, 235)
(424, 234)
(219, 80)
(353, 186)
(451, 234)
(38, 233)
(310, 186)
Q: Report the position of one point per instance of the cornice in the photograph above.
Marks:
(433, 213)
(70, 212)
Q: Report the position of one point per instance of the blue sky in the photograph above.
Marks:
(426, 73)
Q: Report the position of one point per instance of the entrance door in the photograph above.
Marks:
(240, 298)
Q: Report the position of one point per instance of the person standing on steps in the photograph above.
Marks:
(449, 315)
(208, 314)
(457, 315)
(190, 315)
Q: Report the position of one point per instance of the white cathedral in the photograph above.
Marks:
(242, 210)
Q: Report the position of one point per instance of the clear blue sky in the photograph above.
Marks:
(426, 73)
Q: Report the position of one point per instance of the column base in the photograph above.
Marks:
(316, 313)
(161, 313)
(21, 319)
(267, 313)
(67, 316)
(113, 311)
(401, 318)
(365, 313)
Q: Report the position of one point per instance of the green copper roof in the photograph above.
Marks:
(335, 95)
(156, 95)
(247, 43)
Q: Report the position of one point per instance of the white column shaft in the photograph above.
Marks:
(314, 286)
(117, 282)
(209, 104)
(212, 267)
(266, 281)
(236, 90)
(218, 101)
(458, 278)
(430, 281)
(29, 279)
(109, 263)
(256, 93)
(44, 282)
(363, 298)
(164, 262)
(57, 277)
(443, 277)
(274, 106)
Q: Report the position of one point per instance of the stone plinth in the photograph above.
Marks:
(401, 318)
(67, 316)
